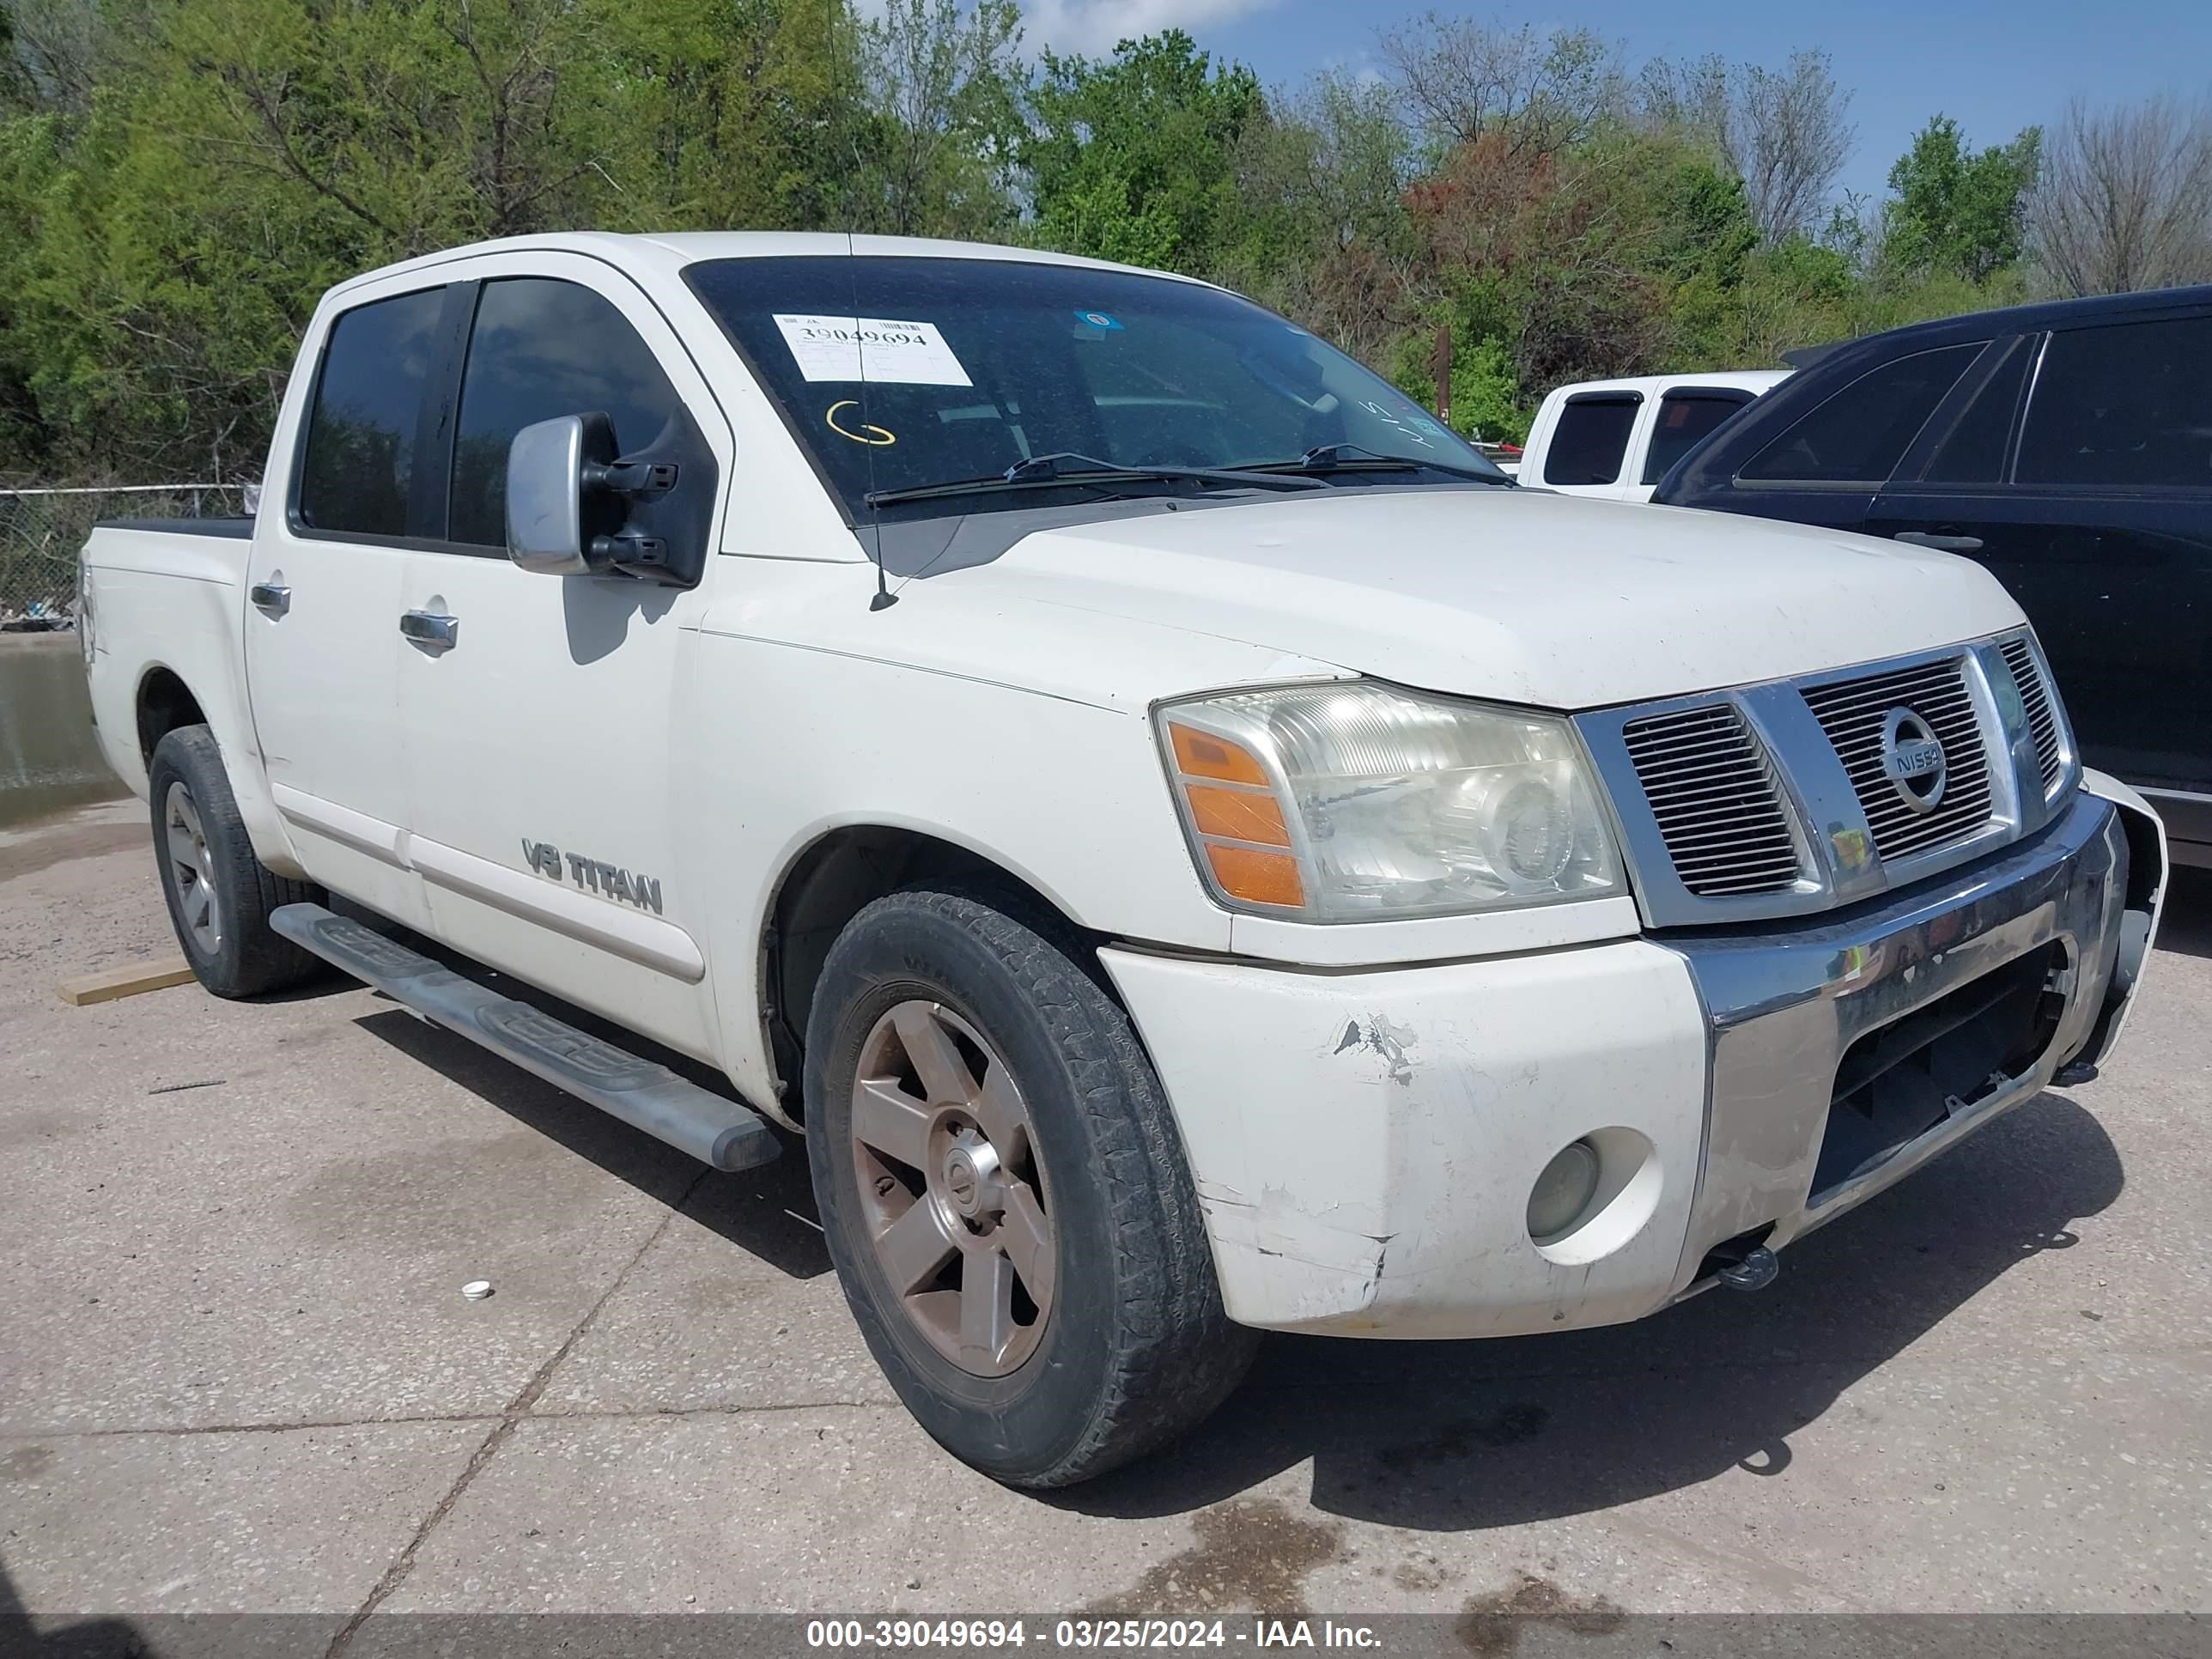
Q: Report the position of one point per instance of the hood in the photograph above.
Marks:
(1515, 595)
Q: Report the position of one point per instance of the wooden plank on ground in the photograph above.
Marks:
(126, 981)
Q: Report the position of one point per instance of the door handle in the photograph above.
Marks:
(1941, 544)
(428, 628)
(272, 597)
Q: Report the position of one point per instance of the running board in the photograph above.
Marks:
(713, 1128)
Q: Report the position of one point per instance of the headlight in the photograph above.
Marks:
(1354, 802)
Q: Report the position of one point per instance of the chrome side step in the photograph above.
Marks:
(713, 1128)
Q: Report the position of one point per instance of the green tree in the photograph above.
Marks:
(1956, 211)
(1131, 157)
(944, 90)
(1320, 229)
(168, 249)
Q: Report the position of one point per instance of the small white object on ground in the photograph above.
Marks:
(477, 1289)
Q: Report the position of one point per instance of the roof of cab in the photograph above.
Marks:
(2014, 319)
(667, 253)
(1741, 380)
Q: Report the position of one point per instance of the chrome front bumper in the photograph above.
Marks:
(1783, 1007)
(1363, 1144)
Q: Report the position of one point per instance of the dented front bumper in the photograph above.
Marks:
(1364, 1144)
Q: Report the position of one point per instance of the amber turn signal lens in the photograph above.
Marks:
(1236, 815)
(1255, 876)
(1201, 755)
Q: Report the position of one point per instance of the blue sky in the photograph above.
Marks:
(1994, 67)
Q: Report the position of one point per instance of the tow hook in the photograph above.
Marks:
(1741, 1263)
(1754, 1273)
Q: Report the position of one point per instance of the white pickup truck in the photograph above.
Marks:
(1616, 439)
(1193, 849)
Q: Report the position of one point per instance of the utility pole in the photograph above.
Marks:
(1441, 362)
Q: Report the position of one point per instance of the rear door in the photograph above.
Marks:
(325, 581)
(541, 728)
(2095, 510)
(1686, 417)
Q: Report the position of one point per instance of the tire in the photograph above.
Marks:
(1126, 1345)
(219, 894)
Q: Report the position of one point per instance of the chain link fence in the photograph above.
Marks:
(42, 529)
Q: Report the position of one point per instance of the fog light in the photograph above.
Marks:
(1563, 1192)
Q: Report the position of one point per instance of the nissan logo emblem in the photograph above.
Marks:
(1913, 759)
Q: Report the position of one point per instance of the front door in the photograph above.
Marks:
(542, 712)
(1589, 444)
(325, 575)
(2102, 530)
(1827, 466)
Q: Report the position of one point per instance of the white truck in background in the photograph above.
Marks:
(1192, 848)
(1615, 440)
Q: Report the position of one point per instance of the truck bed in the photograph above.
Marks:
(238, 529)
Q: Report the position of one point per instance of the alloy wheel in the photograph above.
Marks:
(953, 1190)
(191, 868)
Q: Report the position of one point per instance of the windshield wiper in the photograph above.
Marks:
(1066, 466)
(1358, 457)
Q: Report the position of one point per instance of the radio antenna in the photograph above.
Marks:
(883, 598)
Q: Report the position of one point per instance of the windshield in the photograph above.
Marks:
(902, 373)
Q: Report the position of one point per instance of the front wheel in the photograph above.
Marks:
(1004, 1194)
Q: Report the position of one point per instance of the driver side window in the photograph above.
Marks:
(542, 347)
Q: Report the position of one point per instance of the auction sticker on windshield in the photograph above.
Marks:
(879, 349)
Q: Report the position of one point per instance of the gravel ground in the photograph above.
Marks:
(236, 1373)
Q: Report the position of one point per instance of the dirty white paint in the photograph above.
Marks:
(1364, 1143)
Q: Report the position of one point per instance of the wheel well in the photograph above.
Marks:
(164, 704)
(834, 880)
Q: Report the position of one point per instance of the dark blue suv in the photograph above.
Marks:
(2066, 447)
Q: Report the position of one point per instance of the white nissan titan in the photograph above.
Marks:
(1194, 849)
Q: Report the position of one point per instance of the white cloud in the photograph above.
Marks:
(1094, 25)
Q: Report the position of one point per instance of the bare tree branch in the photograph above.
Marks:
(1461, 79)
(1784, 132)
(2125, 200)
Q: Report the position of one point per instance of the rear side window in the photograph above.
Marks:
(1590, 440)
(2128, 404)
(1687, 419)
(1968, 444)
(360, 462)
(1861, 433)
(540, 349)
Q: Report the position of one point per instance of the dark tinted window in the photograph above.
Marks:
(1859, 434)
(540, 349)
(1687, 419)
(1970, 448)
(360, 463)
(2128, 404)
(897, 372)
(1590, 440)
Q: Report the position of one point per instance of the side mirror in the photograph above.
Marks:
(545, 527)
(569, 502)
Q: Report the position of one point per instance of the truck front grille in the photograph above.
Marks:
(2035, 698)
(1712, 788)
(1852, 713)
(1787, 797)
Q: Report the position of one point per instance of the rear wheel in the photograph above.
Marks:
(219, 894)
(1004, 1194)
